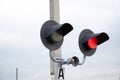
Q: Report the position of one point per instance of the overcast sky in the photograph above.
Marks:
(20, 44)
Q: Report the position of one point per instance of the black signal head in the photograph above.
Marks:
(44, 32)
(52, 34)
(88, 41)
(82, 43)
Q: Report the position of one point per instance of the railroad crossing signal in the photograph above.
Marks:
(88, 41)
(52, 34)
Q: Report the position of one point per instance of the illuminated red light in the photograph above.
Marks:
(92, 43)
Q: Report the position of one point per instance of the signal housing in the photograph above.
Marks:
(88, 47)
(52, 34)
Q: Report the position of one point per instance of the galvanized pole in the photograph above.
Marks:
(54, 15)
(16, 73)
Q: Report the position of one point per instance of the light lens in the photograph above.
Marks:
(92, 43)
(56, 37)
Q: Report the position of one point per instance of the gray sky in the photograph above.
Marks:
(20, 44)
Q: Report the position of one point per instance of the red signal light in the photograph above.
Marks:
(92, 43)
(88, 41)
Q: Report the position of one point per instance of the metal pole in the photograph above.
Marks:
(16, 73)
(54, 15)
(54, 10)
